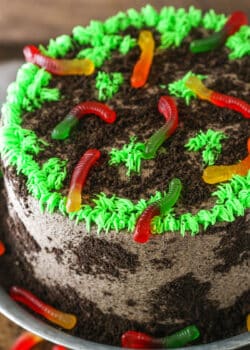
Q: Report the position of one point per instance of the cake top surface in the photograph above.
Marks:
(125, 183)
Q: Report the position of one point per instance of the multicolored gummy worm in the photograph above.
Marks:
(64, 320)
(220, 173)
(138, 340)
(143, 228)
(78, 179)
(218, 99)
(168, 108)
(233, 24)
(58, 66)
(63, 129)
(26, 341)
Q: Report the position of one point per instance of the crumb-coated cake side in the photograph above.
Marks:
(193, 269)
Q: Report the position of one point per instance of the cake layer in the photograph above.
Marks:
(168, 283)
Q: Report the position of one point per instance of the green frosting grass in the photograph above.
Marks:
(130, 155)
(101, 38)
(179, 89)
(233, 198)
(239, 43)
(19, 146)
(27, 93)
(58, 47)
(175, 24)
(210, 141)
(108, 84)
(213, 21)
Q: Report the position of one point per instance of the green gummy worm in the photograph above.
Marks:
(181, 338)
(155, 141)
(208, 44)
(63, 129)
(169, 200)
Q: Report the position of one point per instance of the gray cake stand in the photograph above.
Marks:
(17, 314)
(27, 321)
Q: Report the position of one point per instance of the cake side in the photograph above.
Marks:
(137, 286)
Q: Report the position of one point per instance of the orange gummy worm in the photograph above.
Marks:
(143, 65)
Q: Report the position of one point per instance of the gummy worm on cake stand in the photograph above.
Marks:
(248, 322)
(80, 173)
(2, 248)
(63, 129)
(26, 341)
(64, 320)
(219, 173)
(218, 99)
(139, 340)
(167, 107)
(58, 66)
(161, 207)
(142, 67)
(233, 24)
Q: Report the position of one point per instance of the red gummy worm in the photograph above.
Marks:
(139, 340)
(235, 21)
(2, 248)
(58, 66)
(107, 114)
(62, 319)
(58, 347)
(143, 226)
(78, 178)
(168, 108)
(26, 341)
(231, 102)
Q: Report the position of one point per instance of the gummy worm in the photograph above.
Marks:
(233, 24)
(64, 320)
(248, 322)
(167, 107)
(78, 179)
(63, 129)
(139, 340)
(169, 200)
(58, 66)
(2, 248)
(162, 206)
(58, 347)
(182, 337)
(143, 65)
(219, 173)
(26, 341)
(143, 225)
(218, 99)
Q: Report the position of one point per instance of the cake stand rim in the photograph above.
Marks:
(24, 319)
